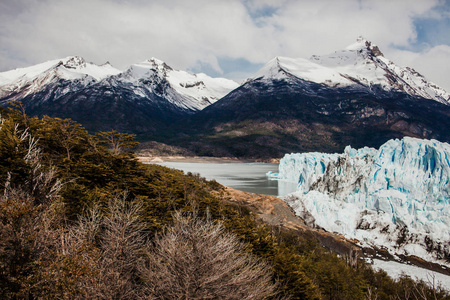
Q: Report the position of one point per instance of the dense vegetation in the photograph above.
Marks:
(81, 218)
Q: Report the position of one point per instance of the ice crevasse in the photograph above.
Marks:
(396, 197)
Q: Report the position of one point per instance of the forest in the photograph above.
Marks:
(81, 218)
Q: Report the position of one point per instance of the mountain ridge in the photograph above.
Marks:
(361, 63)
(296, 105)
(354, 96)
(144, 99)
(75, 68)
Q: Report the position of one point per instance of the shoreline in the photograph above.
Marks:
(202, 159)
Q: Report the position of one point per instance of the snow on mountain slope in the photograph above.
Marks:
(396, 270)
(198, 90)
(185, 90)
(71, 67)
(361, 63)
(396, 197)
(25, 81)
(282, 67)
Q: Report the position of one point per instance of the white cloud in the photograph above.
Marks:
(180, 32)
(187, 34)
(308, 27)
(432, 63)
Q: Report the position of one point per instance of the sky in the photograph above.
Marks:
(223, 38)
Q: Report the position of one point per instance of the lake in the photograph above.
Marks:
(247, 177)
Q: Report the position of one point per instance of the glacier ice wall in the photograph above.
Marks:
(396, 197)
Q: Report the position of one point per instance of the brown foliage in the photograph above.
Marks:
(199, 260)
(120, 245)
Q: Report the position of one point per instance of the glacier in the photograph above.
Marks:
(395, 197)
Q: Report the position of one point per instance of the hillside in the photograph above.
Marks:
(268, 119)
(353, 96)
(144, 99)
(81, 218)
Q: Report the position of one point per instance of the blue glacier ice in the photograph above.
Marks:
(396, 196)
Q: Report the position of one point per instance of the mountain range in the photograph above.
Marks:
(355, 97)
(143, 99)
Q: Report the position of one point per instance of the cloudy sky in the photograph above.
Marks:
(227, 38)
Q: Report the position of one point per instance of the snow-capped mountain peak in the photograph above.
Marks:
(148, 67)
(361, 64)
(25, 81)
(200, 90)
(159, 64)
(186, 90)
(67, 68)
(75, 62)
(362, 55)
(286, 68)
(364, 45)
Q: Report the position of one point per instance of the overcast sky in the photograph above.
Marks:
(227, 38)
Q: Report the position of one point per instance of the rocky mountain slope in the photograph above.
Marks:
(61, 75)
(143, 99)
(361, 65)
(352, 97)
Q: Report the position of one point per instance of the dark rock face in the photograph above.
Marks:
(270, 118)
(105, 105)
(261, 119)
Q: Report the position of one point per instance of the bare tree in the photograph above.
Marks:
(121, 243)
(40, 182)
(117, 141)
(371, 294)
(105, 255)
(199, 260)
